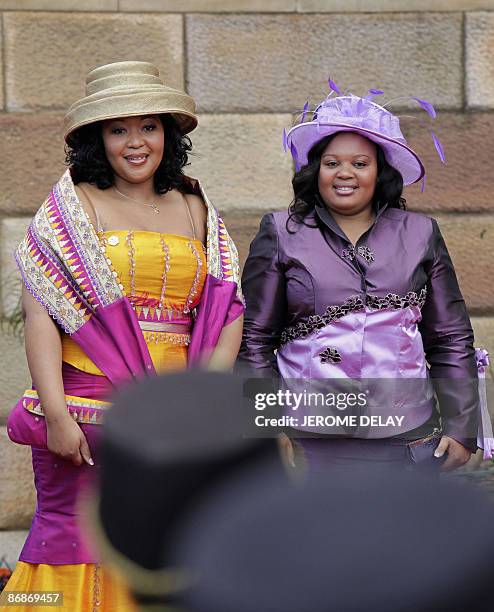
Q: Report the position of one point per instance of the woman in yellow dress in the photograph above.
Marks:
(128, 271)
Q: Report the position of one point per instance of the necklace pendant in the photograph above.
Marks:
(154, 208)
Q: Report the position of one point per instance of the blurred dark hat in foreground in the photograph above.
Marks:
(166, 443)
(364, 541)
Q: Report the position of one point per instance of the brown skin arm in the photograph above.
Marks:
(44, 357)
(226, 351)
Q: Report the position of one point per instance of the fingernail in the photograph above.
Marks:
(90, 461)
(438, 454)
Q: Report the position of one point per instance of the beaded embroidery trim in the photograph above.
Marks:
(330, 355)
(47, 280)
(129, 241)
(81, 410)
(96, 588)
(101, 278)
(167, 338)
(348, 253)
(195, 283)
(364, 252)
(166, 268)
(351, 304)
(391, 300)
(169, 313)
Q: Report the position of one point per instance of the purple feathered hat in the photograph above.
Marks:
(362, 115)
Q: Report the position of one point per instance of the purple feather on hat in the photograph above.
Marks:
(304, 113)
(293, 149)
(422, 188)
(427, 106)
(315, 112)
(360, 106)
(284, 140)
(373, 92)
(439, 147)
(334, 86)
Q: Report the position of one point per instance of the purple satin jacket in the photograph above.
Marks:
(389, 307)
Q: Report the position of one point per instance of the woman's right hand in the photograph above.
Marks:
(66, 439)
(44, 355)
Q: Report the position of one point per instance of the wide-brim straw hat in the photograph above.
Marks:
(129, 89)
(352, 113)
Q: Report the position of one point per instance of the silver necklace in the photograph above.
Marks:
(153, 205)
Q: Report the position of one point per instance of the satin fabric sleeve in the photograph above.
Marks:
(263, 283)
(448, 343)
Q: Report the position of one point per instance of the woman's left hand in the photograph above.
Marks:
(226, 350)
(457, 454)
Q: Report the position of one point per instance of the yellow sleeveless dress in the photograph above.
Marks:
(163, 276)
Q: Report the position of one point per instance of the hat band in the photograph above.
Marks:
(381, 123)
(135, 104)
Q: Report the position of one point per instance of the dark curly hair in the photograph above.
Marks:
(389, 185)
(86, 157)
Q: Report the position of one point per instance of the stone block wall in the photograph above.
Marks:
(250, 64)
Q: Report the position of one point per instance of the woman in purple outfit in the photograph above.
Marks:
(350, 285)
